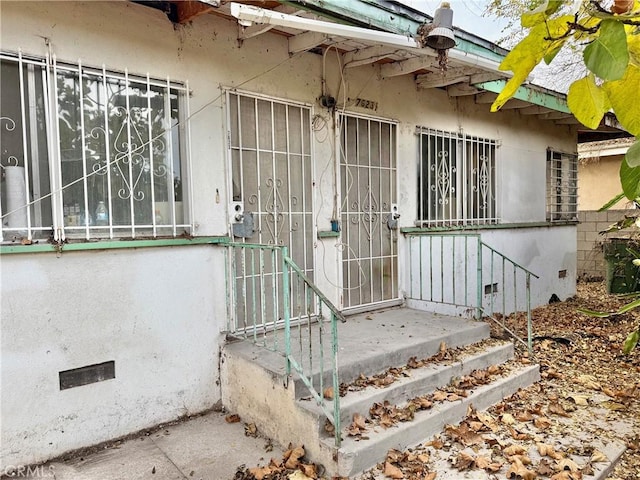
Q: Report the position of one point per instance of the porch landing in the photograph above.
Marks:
(371, 342)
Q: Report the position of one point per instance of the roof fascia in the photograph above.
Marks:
(393, 17)
(552, 100)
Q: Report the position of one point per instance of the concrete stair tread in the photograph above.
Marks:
(358, 455)
(420, 381)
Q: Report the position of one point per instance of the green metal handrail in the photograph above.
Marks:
(446, 275)
(296, 304)
(290, 267)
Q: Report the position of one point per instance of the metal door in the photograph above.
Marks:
(271, 176)
(368, 196)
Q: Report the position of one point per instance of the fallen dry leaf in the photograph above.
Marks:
(232, 418)
(542, 423)
(391, 471)
(436, 443)
(293, 456)
(507, 419)
(544, 468)
(463, 461)
(514, 450)
(519, 471)
(546, 450)
(598, 456)
(299, 475)
(568, 464)
(328, 393)
(615, 406)
(557, 409)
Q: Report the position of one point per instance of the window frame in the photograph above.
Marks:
(561, 205)
(175, 165)
(454, 194)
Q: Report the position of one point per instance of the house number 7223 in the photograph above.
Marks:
(370, 104)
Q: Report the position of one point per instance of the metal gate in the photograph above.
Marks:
(368, 193)
(271, 183)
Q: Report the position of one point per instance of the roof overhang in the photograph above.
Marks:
(472, 66)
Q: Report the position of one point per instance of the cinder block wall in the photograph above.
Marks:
(591, 264)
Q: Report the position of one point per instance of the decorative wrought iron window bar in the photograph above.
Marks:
(456, 179)
(562, 186)
(91, 153)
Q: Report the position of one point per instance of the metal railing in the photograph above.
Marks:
(276, 305)
(462, 271)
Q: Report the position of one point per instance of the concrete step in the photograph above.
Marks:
(400, 334)
(420, 382)
(355, 456)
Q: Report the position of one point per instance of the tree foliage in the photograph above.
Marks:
(608, 36)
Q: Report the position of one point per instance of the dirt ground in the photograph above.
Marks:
(582, 355)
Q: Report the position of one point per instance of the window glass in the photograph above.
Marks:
(116, 144)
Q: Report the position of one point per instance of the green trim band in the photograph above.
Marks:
(328, 234)
(528, 94)
(499, 226)
(111, 245)
(390, 18)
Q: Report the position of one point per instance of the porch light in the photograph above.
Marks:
(441, 36)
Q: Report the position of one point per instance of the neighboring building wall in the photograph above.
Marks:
(159, 313)
(598, 182)
(591, 262)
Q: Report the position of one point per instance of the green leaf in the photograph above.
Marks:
(631, 342)
(594, 313)
(607, 56)
(548, 58)
(632, 157)
(630, 180)
(587, 101)
(611, 202)
(540, 14)
(528, 53)
(628, 307)
(624, 98)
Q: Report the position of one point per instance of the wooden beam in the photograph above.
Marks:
(244, 33)
(365, 56)
(567, 121)
(189, 9)
(461, 89)
(486, 97)
(440, 79)
(515, 103)
(306, 41)
(555, 116)
(484, 77)
(408, 66)
(437, 82)
(535, 110)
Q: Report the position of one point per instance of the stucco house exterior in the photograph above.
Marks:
(140, 139)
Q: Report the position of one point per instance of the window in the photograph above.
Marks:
(457, 179)
(562, 186)
(89, 153)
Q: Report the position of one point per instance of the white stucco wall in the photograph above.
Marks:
(158, 313)
(140, 309)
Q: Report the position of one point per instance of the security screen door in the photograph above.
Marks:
(368, 192)
(271, 170)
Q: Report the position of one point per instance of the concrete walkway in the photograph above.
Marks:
(202, 448)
